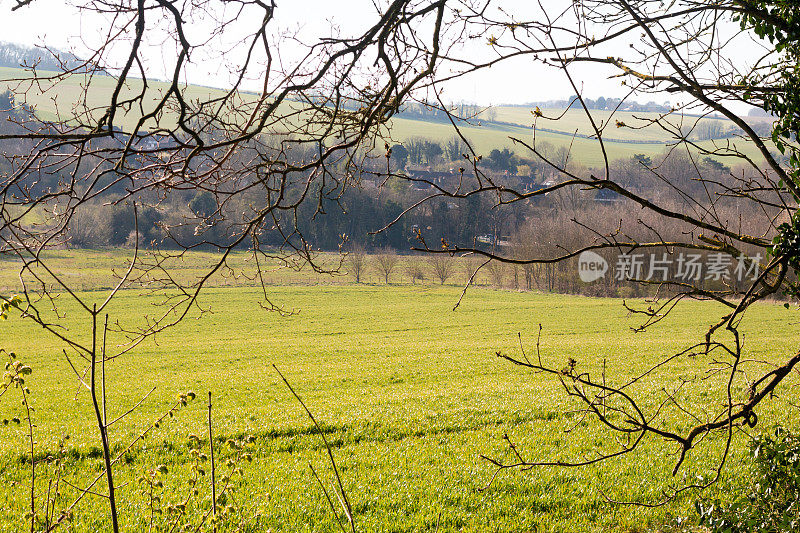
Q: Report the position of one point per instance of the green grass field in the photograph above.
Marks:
(409, 392)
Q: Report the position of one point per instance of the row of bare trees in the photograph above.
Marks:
(387, 265)
(387, 262)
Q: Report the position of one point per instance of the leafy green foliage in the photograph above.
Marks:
(786, 243)
(779, 22)
(7, 305)
(772, 502)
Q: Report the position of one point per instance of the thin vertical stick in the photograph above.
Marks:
(327, 497)
(604, 389)
(213, 467)
(103, 430)
(103, 372)
(47, 505)
(33, 457)
(348, 510)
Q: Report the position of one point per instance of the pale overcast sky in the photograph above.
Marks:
(59, 25)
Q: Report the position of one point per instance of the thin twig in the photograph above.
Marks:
(213, 467)
(345, 502)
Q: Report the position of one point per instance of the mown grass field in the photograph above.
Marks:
(59, 103)
(409, 392)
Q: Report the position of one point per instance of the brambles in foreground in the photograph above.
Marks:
(771, 494)
(7, 305)
(186, 504)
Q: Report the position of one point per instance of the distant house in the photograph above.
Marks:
(492, 240)
(153, 141)
(423, 180)
(431, 176)
(606, 195)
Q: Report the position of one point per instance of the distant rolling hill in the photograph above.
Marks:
(571, 130)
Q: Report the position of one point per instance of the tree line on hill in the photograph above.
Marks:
(435, 112)
(603, 103)
(15, 56)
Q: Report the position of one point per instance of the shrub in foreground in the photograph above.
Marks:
(772, 501)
